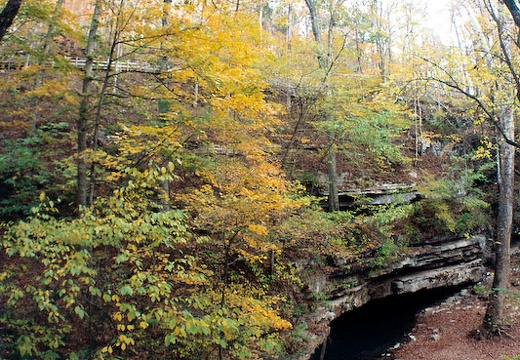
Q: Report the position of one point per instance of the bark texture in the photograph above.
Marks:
(84, 108)
(333, 176)
(8, 15)
(493, 320)
(514, 10)
(313, 13)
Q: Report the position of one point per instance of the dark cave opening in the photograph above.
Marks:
(368, 332)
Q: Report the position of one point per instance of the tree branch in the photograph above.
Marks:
(454, 85)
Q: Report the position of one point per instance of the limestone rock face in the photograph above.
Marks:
(434, 264)
(436, 278)
(377, 195)
(431, 265)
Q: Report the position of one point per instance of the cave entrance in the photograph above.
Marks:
(368, 332)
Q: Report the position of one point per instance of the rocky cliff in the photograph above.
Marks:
(432, 264)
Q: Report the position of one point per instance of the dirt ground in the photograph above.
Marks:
(444, 332)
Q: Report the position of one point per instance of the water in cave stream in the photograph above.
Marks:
(368, 332)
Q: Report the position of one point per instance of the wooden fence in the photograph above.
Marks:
(117, 66)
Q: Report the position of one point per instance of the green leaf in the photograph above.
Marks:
(79, 311)
(169, 339)
(127, 290)
(121, 258)
(94, 291)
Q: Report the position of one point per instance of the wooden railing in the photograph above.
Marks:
(117, 66)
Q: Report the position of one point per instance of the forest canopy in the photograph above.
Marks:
(174, 175)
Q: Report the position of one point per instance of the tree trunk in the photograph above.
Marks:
(313, 13)
(324, 61)
(379, 40)
(47, 42)
(333, 176)
(359, 52)
(165, 185)
(112, 57)
(289, 27)
(84, 108)
(493, 320)
(514, 10)
(7, 16)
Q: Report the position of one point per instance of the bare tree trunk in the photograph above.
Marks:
(311, 5)
(359, 52)
(84, 108)
(333, 176)
(118, 25)
(165, 185)
(493, 320)
(389, 42)
(514, 10)
(47, 43)
(330, 37)
(325, 63)
(8, 15)
(380, 43)
(313, 13)
(289, 26)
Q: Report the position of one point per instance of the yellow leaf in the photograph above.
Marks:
(143, 324)
(258, 229)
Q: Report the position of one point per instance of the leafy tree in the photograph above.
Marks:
(141, 273)
(123, 272)
(190, 219)
(501, 282)
(338, 102)
(26, 170)
(36, 125)
(496, 106)
(82, 262)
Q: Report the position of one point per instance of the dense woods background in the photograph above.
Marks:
(173, 174)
